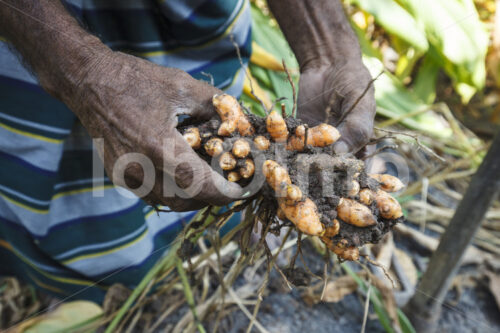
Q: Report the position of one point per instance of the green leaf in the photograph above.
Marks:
(272, 39)
(406, 325)
(394, 100)
(453, 27)
(466, 91)
(375, 299)
(66, 318)
(262, 75)
(366, 46)
(406, 63)
(188, 294)
(378, 306)
(396, 20)
(425, 82)
(252, 105)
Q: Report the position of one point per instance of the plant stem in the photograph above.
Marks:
(188, 293)
(164, 262)
(425, 307)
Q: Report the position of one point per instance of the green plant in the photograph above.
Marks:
(445, 34)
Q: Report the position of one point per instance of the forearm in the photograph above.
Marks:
(317, 31)
(51, 42)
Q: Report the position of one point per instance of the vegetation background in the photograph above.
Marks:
(438, 69)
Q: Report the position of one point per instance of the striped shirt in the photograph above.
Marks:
(63, 225)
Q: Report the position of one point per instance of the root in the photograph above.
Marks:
(308, 188)
(417, 141)
(382, 267)
(247, 74)
(345, 114)
(294, 94)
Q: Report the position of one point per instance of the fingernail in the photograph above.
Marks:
(341, 147)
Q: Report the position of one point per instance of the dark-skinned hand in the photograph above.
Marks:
(333, 76)
(129, 103)
(133, 105)
(334, 94)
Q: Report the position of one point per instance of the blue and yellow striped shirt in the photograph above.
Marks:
(58, 228)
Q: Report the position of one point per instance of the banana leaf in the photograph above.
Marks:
(68, 317)
(453, 27)
(425, 81)
(396, 20)
(394, 100)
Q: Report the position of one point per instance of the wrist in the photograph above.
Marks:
(51, 42)
(324, 37)
(63, 78)
(329, 53)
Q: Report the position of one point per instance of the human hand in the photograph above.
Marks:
(334, 94)
(129, 103)
(333, 76)
(133, 104)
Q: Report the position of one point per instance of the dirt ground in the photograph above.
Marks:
(475, 311)
(470, 308)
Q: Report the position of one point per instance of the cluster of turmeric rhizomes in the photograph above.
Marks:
(362, 206)
(234, 121)
(357, 212)
(236, 163)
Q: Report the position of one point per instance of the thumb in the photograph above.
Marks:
(196, 178)
(195, 99)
